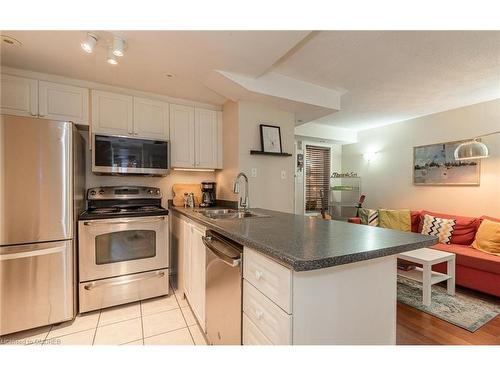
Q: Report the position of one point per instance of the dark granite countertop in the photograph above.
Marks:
(304, 244)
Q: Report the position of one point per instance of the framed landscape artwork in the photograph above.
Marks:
(436, 165)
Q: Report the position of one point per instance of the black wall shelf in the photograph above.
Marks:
(257, 152)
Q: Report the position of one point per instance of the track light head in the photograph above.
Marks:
(89, 43)
(111, 57)
(118, 45)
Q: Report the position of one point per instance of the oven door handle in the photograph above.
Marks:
(95, 284)
(121, 221)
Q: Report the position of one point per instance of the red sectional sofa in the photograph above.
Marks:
(474, 269)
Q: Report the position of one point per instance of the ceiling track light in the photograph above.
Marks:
(118, 46)
(111, 57)
(89, 43)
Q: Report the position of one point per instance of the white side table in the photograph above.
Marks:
(427, 258)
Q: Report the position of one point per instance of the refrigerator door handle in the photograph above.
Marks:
(34, 253)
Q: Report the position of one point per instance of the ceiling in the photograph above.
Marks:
(391, 76)
(385, 76)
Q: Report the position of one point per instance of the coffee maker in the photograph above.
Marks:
(207, 194)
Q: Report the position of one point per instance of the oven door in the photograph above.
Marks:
(122, 246)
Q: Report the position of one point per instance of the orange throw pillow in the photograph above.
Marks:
(488, 237)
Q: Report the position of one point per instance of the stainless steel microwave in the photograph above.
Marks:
(124, 155)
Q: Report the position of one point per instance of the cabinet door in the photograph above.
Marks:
(186, 247)
(112, 113)
(205, 131)
(197, 270)
(150, 118)
(182, 136)
(19, 96)
(63, 102)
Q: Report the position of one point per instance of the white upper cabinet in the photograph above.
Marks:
(196, 137)
(112, 113)
(182, 136)
(19, 96)
(63, 102)
(151, 118)
(205, 132)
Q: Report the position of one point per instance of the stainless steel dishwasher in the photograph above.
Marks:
(223, 289)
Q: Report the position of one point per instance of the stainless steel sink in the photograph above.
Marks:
(229, 214)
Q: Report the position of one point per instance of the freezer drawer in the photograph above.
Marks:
(122, 289)
(37, 285)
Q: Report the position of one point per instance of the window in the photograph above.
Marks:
(317, 178)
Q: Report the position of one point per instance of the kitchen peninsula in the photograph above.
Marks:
(310, 281)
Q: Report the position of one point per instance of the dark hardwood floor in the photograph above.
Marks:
(414, 327)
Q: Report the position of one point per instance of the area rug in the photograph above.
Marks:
(461, 310)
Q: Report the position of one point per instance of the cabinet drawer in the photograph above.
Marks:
(252, 335)
(271, 278)
(273, 322)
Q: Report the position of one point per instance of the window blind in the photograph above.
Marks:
(317, 177)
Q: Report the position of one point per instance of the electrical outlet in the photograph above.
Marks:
(254, 172)
(283, 175)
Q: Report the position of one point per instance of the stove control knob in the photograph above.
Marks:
(92, 192)
(150, 191)
(157, 191)
(101, 191)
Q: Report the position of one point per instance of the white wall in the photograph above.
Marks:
(268, 189)
(241, 134)
(230, 156)
(164, 183)
(387, 179)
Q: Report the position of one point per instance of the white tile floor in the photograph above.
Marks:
(157, 321)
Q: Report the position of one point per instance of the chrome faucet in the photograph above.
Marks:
(243, 203)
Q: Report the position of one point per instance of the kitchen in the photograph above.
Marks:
(130, 238)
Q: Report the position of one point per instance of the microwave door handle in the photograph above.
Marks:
(112, 221)
(225, 258)
(93, 285)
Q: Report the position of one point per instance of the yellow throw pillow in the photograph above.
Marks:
(488, 237)
(395, 219)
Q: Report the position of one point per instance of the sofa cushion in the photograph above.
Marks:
(465, 228)
(394, 219)
(472, 258)
(415, 221)
(488, 237)
(369, 216)
(495, 219)
(437, 226)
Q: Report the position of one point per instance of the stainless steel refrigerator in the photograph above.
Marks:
(42, 189)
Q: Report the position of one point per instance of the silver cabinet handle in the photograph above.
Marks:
(112, 221)
(122, 282)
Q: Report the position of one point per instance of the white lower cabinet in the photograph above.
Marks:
(252, 335)
(349, 304)
(192, 251)
(269, 318)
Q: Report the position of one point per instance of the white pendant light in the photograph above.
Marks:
(118, 45)
(471, 150)
(89, 43)
(111, 57)
(474, 149)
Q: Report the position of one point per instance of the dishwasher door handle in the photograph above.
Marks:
(207, 240)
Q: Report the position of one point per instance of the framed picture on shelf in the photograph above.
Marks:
(436, 165)
(270, 138)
